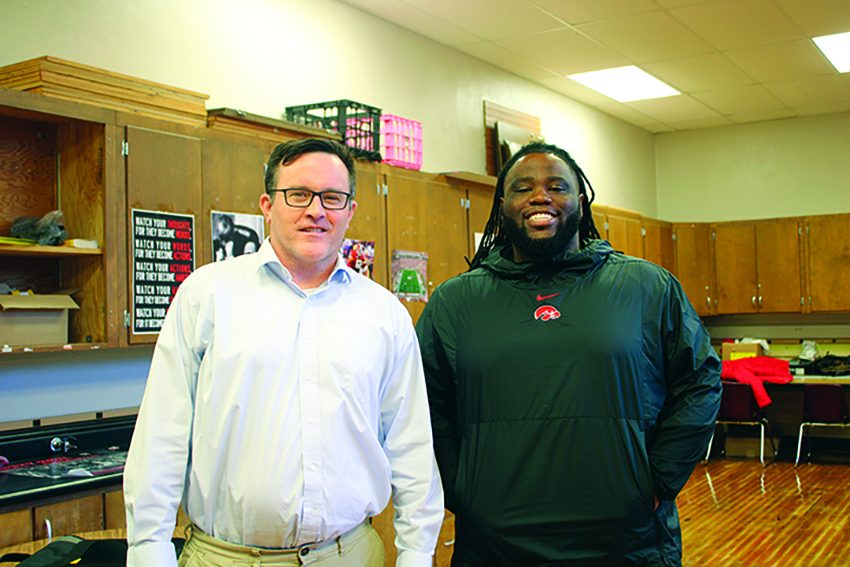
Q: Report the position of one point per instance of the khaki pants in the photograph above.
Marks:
(358, 547)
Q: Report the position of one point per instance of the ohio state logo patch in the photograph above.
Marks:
(546, 313)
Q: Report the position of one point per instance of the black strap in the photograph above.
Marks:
(16, 557)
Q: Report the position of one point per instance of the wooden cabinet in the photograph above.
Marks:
(757, 266)
(15, 527)
(827, 259)
(426, 214)
(658, 242)
(55, 156)
(625, 231)
(163, 173)
(65, 518)
(445, 542)
(694, 265)
(369, 222)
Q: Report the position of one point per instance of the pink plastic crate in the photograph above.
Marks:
(401, 141)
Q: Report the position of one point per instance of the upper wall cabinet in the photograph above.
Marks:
(828, 262)
(56, 156)
(658, 242)
(694, 265)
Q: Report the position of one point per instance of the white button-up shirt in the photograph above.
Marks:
(281, 417)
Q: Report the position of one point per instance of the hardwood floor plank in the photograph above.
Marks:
(736, 512)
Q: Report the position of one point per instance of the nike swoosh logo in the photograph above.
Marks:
(545, 297)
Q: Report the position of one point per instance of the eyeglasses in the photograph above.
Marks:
(301, 198)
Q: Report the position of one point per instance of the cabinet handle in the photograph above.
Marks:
(708, 302)
(760, 301)
(48, 528)
(449, 543)
(754, 301)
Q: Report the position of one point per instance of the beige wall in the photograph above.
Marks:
(263, 55)
(781, 168)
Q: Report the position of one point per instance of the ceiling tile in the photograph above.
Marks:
(739, 100)
(834, 108)
(653, 36)
(701, 123)
(501, 57)
(416, 20)
(673, 109)
(575, 91)
(778, 62)
(564, 51)
(762, 116)
(731, 24)
(581, 11)
(623, 112)
(491, 19)
(700, 73)
(812, 91)
(677, 3)
(818, 17)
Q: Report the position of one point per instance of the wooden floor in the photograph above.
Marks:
(736, 512)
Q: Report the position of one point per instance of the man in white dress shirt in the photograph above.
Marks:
(286, 400)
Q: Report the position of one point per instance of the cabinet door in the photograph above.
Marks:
(735, 267)
(445, 542)
(69, 517)
(383, 524)
(233, 176)
(369, 222)
(658, 242)
(600, 220)
(828, 260)
(693, 264)
(163, 174)
(480, 206)
(15, 527)
(779, 266)
(624, 232)
(426, 214)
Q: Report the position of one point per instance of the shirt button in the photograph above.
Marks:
(304, 551)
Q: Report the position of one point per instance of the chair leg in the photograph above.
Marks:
(799, 444)
(761, 444)
(707, 453)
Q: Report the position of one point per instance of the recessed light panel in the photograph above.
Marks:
(836, 47)
(625, 84)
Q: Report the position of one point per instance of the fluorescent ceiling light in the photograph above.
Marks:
(624, 84)
(836, 47)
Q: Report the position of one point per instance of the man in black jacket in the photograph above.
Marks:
(572, 388)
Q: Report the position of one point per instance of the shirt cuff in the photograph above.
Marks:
(413, 559)
(159, 554)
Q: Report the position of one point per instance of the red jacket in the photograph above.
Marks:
(755, 371)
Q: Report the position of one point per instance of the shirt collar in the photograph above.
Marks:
(266, 256)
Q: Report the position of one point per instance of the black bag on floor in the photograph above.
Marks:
(70, 550)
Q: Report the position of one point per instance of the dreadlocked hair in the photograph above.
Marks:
(494, 234)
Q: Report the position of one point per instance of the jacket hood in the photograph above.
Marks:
(573, 265)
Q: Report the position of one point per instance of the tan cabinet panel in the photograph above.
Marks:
(369, 222)
(15, 527)
(114, 514)
(445, 542)
(828, 240)
(735, 267)
(164, 174)
(694, 266)
(624, 232)
(383, 524)
(658, 242)
(780, 272)
(233, 176)
(69, 517)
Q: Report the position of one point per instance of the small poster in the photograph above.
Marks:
(163, 256)
(235, 234)
(409, 274)
(359, 255)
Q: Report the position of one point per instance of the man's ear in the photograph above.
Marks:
(266, 206)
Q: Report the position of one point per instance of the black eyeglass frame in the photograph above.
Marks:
(313, 194)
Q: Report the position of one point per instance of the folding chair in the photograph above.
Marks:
(823, 405)
(738, 407)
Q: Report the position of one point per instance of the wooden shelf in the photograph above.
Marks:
(78, 347)
(36, 250)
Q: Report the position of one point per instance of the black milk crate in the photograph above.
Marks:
(362, 123)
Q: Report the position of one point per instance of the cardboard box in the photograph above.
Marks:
(734, 351)
(32, 320)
